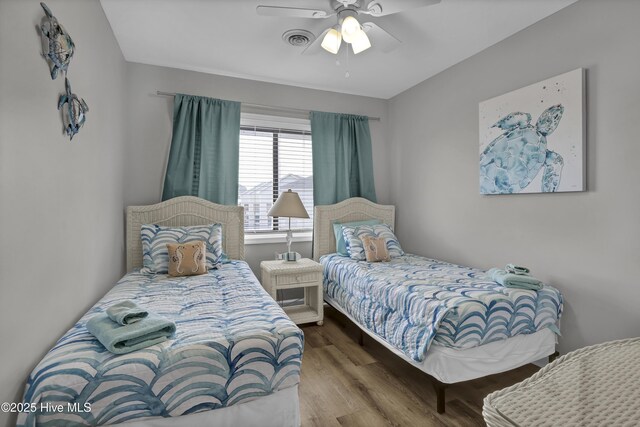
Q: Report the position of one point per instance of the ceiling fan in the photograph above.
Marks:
(348, 28)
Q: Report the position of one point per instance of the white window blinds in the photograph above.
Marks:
(275, 155)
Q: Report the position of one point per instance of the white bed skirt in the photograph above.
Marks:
(450, 365)
(280, 409)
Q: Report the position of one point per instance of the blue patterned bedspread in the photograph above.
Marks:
(413, 301)
(233, 344)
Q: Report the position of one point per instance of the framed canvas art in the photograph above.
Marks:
(532, 140)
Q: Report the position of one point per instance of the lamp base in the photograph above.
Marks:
(288, 256)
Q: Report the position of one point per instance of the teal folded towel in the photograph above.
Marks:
(510, 280)
(121, 339)
(126, 312)
(517, 269)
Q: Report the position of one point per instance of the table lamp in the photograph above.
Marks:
(289, 205)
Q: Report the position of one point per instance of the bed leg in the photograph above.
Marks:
(361, 338)
(440, 389)
(553, 356)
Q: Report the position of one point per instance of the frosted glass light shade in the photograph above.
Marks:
(360, 42)
(332, 40)
(288, 205)
(350, 27)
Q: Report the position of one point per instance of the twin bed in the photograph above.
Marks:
(235, 358)
(450, 321)
(235, 355)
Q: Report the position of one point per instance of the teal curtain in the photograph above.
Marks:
(342, 158)
(204, 155)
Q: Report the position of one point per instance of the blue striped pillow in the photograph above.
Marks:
(341, 246)
(155, 256)
(353, 239)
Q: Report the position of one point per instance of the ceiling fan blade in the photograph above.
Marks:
(388, 7)
(292, 12)
(380, 38)
(316, 46)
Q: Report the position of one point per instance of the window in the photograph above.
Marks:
(275, 155)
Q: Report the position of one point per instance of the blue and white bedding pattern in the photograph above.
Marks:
(413, 301)
(232, 344)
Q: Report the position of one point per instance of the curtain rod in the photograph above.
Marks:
(266, 107)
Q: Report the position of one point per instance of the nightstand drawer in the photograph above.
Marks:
(290, 279)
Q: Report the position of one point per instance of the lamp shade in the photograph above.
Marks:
(289, 205)
(332, 40)
(350, 27)
(360, 42)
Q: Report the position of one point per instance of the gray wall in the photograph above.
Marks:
(587, 244)
(151, 120)
(61, 203)
(61, 214)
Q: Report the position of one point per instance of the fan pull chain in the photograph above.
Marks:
(347, 75)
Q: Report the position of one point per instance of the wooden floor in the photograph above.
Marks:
(344, 384)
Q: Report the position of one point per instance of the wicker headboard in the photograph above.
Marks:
(354, 209)
(183, 211)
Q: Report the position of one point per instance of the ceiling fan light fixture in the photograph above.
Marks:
(350, 28)
(331, 41)
(360, 42)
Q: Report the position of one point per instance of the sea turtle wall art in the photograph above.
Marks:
(57, 45)
(532, 139)
(74, 110)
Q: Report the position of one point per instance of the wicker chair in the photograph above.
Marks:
(592, 386)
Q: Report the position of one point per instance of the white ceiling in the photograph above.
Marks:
(228, 37)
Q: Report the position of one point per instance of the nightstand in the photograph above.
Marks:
(304, 273)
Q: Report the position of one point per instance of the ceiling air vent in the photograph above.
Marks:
(298, 38)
